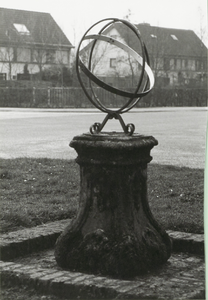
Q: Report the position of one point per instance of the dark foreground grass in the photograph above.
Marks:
(37, 191)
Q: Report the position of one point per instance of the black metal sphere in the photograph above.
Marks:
(144, 85)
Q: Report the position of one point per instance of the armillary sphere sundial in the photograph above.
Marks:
(114, 233)
(145, 81)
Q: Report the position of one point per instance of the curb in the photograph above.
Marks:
(26, 241)
(187, 242)
(75, 285)
(95, 110)
(182, 278)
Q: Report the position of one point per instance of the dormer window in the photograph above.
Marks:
(113, 36)
(174, 37)
(22, 29)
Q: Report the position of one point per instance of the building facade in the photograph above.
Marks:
(177, 57)
(30, 42)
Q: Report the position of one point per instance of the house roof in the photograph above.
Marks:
(168, 41)
(30, 27)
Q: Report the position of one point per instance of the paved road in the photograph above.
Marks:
(181, 132)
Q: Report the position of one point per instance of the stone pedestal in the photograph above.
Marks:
(114, 233)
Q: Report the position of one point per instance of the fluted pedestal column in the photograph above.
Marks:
(114, 232)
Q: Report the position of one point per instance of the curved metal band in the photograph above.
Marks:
(126, 48)
(132, 101)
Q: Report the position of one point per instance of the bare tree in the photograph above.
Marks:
(7, 59)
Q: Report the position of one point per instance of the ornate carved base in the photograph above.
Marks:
(114, 233)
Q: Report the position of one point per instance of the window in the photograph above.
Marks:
(178, 64)
(3, 76)
(175, 64)
(23, 54)
(174, 37)
(14, 54)
(191, 65)
(37, 55)
(22, 29)
(172, 64)
(6, 54)
(62, 56)
(160, 63)
(166, 63)
(183, 64)
(112, 62)
(200, 65)
(153, 36)
(50, 56)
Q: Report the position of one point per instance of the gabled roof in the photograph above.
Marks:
(178, 42)
(172, 42)
(30, 27)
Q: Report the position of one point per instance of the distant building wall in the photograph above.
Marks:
(12, 65)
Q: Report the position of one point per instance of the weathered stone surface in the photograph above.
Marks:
(114, 233)
(54, 229)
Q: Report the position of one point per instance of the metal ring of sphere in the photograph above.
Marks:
(143, 60)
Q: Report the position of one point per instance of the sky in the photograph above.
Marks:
(76, 16)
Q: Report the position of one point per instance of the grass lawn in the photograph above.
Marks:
(37, 191)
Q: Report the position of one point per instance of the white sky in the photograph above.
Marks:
(76, 16)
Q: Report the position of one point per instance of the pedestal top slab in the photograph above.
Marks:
(113, 148)
(118, 140)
